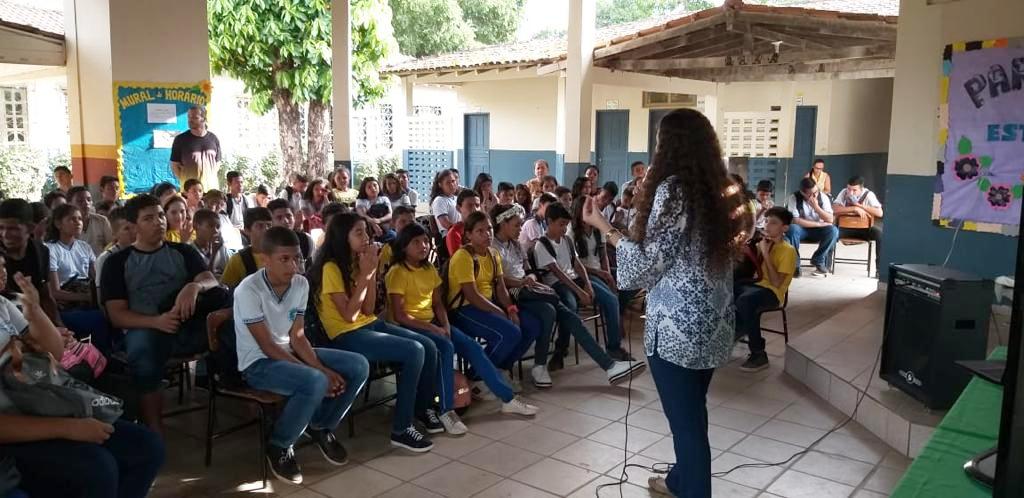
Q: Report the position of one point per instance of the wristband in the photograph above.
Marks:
(512, 309)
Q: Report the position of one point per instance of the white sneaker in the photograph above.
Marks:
(517, 387)
(481, 392)
(541, 377)
(622, 370)
(453, 424)
(518, 407)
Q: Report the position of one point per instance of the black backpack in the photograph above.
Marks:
(550, 247)
(224, 361)
(460, 299)
(249, 260)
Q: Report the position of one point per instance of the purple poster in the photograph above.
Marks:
(982, 166)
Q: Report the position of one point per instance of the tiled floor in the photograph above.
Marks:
(577, 442)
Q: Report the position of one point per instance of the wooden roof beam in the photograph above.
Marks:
(844, 27)
(665, 34)
(762, 73)
(731, 60)
(681, 41)
(766, 34)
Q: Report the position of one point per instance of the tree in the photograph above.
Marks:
(429, 27)
(620, 11)
(281, 51)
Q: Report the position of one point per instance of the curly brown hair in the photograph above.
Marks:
(688, 150)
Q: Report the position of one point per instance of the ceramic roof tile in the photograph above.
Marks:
(33, 19)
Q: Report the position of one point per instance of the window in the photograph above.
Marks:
(656, 100)
(751, 134)
(15, 116)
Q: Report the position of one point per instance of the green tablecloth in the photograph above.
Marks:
(970, 427)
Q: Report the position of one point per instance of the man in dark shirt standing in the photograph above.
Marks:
(151, 290)
(196, 152)
(29, 257)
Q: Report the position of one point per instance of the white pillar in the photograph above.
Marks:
(579, 88)
(402, 110)
(341, 70)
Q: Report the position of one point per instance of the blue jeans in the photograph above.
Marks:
(416, 355)
(569, 324)
(826, 237)
(306, 390)
(751, 300)
(122, 467)
(148, 351)
(683, 394)
(473, 352)
(607, 303)
(506, 342)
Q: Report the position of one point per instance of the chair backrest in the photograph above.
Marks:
(213, 322)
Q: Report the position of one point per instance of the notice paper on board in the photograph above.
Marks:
(161, 113)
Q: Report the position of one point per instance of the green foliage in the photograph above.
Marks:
(429, 27)
(265, 171)
(379, 167)
(493, 21)
(23, 171)
(372, 41)
(620, 11)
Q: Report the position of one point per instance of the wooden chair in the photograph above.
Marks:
(263, 400)
(855, 222)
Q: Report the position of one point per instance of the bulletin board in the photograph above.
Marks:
(980, 168)
(147, 117)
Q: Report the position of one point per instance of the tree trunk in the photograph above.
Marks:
(317, 162)
(289, 127)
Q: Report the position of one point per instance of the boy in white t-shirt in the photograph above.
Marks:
(274, 355)
(556, 253)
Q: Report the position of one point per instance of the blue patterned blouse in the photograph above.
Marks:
(690, 313)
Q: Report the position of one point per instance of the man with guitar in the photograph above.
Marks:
(858, 209)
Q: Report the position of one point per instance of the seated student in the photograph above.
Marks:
(523, 198)
(564, 195)
(403, 180)
(484, 188)
(638, 170)
(556, 253)
(344, 290)
(395, 193)
(66, 456)
(237, 201)
(245, 262)
(179, 220)
(274, 355)
(26, 255)
(192, 191)
(778, 260)
(209, 243)
(582, 187)
(96, 229)
(110, 191)
(479, 301)
(593, 173)
(62, 175)
(152, 290)
(40, 213)
(404, 216)
(215, 201)
(284, 216)
(858, 201)
(535, 227)
(316, 197)
(417, 303)
(468, 202)
(606, 200)
(376, 208)
(262, 195)
(539, 300)
(625, 213)
(164, 191)
(71, 259)
(443, 200)
(812, 221)
(820, 177)
(54, 199)
(293, 193)
(763, 196)
(548, 186)
(103, 208)
(124, 236)
(506, 194)
(534, 185)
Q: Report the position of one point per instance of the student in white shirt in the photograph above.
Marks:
(274, 355)
(403, 180)
(237, 202)
(442, 200)
(535, 227)
(71, 259)
(606, 200)
(812, 221)
(124, 236)
(857, 200)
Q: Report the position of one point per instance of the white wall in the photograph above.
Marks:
(48, 114)
(923, 32)
(523, 111)
(760, 97)
(859, 116)
(172, 50)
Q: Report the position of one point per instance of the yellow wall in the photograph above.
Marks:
(923, 32)
(523, 111)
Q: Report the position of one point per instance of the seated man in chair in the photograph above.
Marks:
(776, 262)
(812, 221)
(157, 292)
(858, 211)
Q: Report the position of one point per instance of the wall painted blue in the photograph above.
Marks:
(911, 237)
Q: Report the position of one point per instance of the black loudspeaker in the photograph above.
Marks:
(934, 316)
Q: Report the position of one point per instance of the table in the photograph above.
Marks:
(969, 428)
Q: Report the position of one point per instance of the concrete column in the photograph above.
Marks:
(108, 41)
(341, 70)
(579, 88)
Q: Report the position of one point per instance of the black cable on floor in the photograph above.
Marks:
(623, 477)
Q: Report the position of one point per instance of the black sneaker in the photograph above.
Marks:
(431, 422)
(556, 362)
(330, 448)
(620, 355)
(412, 440)
(755, 362)
(283, 465)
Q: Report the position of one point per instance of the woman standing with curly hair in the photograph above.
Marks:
(681, 250)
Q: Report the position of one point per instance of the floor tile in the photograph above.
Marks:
(793, 484)
(862, 449)
(638, 475)
(883, 480)
(606, 407)
(554, 476)
(634, 440)
(648, 419)
(736, 419)
(540, 440)
(409, 490)
(512, 489)
(500, 458)
(757, 404)
(863, 493)
(407, 465)
(791, 433)
(592, 455)
(836, 468)
(455, 447)
(358, 481)
(575, 423)
(720, 488)
(812, 413)
(722, 438)
(497, 426)
(766, 450)
(754, 477)
(457, 480)
(610, 489)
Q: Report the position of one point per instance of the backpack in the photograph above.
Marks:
(314, 327)
(304, 249)
(224, 361)
(460, 300)
(249, 260)
(550, 247)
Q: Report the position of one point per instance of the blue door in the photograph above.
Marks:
(612, 147)
(803, 144)
(478, 146)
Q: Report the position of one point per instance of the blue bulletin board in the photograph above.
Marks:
(147, 117)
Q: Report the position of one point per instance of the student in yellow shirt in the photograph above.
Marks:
(343, 283)
(404, 216)
(255, 222)
(776, 266)
(417, 303)
(179, 220)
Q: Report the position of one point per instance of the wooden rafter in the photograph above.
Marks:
(771, 35)
(843, 27)
(756, 73)
(666, 34)
(783, 58)
(684, 40)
